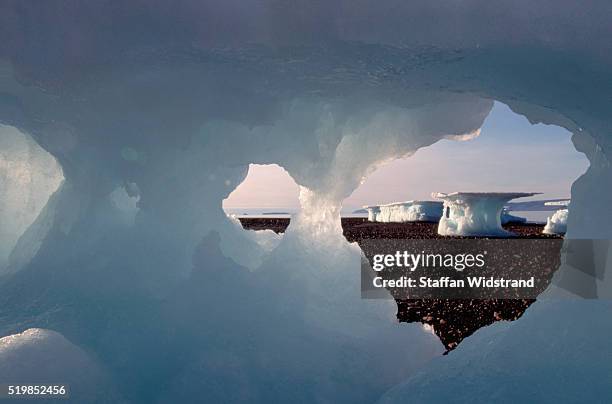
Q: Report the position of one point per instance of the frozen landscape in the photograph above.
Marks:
(121, 273)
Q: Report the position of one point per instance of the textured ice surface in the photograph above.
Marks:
(373, 212)
(409, 211)
(178, 302)
(39, 356)
(557, 222)
(474, 213)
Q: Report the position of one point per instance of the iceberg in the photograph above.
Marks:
(475, 213)
(409, 211)
(565, 202)
(557, 223)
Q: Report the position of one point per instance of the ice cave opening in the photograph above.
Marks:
(309, 263)
(259, 209)
(267, 191)
(137, 274)
(486, 162)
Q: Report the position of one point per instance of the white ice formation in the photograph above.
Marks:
(373, 212)
(558, 203)
(557, 222)
(475, 213)
(409, 211)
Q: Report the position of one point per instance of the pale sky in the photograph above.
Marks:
(541, 158)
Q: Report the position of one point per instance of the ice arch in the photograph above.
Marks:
(327, 150)
(328, 91)
(265, 187)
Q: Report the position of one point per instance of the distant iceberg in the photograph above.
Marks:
(557, 223)
(564, 203)
(408, 211)
(536, 206)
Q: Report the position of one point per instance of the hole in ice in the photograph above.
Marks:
(507, 148)
(29, 175)
(266, 198)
